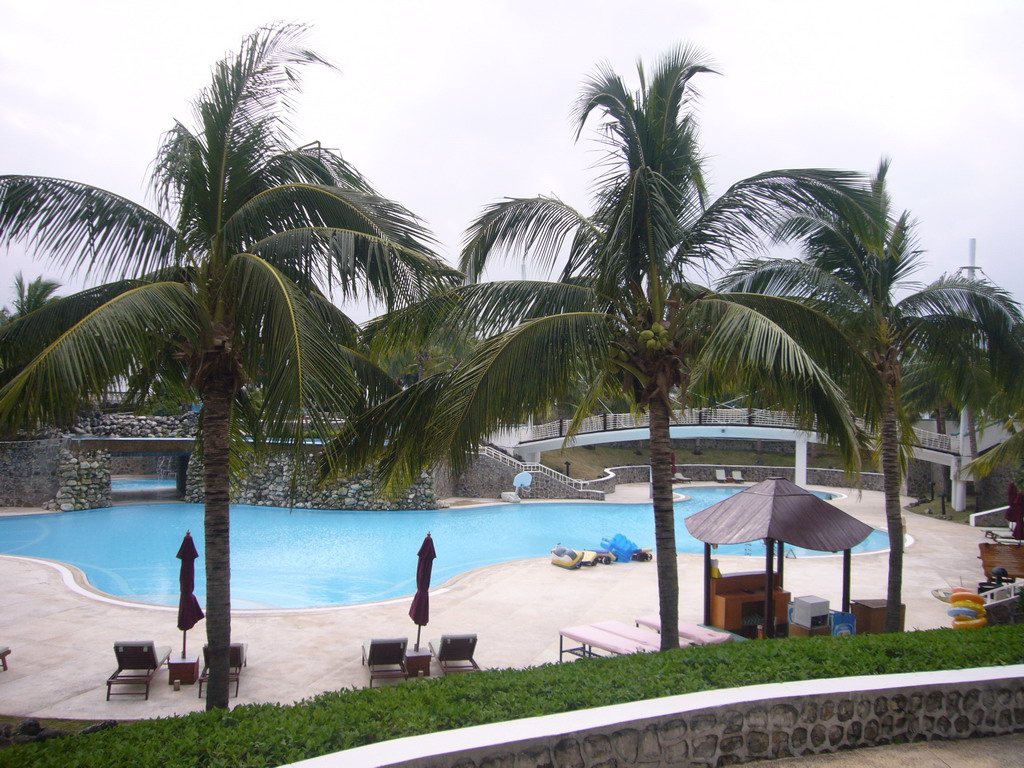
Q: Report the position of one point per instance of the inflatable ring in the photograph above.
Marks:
(973, 607)
(969, 597)
(969, 623)
(967, 613)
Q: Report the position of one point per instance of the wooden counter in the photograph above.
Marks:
(737, 604)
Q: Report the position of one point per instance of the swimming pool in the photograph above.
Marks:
(308, 558)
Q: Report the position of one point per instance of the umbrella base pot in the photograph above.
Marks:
(184, 670)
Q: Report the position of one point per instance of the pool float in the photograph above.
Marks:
(624, 549)
(564, 557)
(967, 610)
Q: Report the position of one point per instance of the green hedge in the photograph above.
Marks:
(270, 735)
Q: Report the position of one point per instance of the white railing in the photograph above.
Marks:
(611, 422)
(523, 466)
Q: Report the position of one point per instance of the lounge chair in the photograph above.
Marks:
(679, 477)
(737, 476)
(4, 653)
(591, 637)
(720, 476)
(455, 653)
(137, 662)
(694, 633)
(385, 658)
(237, 653)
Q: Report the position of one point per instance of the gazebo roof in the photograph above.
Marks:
(778, 509)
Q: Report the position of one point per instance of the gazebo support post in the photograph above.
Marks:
(707, 585)
(769, 588)
(781, 557)
(847, 569)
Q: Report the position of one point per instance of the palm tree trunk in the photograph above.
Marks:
(664, 523)
(893, 513)
(217, 395)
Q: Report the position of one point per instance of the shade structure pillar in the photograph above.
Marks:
(800, 460)
(847, 569)
(781, 555)
(707, 584)
(769, 588)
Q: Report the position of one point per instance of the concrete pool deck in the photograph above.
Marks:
(61, 636)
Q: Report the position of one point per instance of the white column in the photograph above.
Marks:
(800, 464)
(958, 496)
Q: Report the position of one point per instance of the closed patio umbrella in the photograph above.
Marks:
(419, 612)
(189, 611)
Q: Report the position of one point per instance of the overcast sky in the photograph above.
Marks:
(447, 106)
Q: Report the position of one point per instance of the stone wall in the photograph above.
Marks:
(28, 472)
(744, 731)
(130, 425)
(84, 481)
(270, 484)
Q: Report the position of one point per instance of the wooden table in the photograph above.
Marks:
(416, 662)
(184, 669)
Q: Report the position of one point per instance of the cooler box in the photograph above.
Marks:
(809, 611)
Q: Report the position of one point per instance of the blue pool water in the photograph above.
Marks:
(306, 558)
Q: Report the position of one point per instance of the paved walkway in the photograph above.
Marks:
(61, 633)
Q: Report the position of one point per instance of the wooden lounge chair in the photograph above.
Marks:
(1009, 556)
(737, 476)
(237, 653)
(4, 653)
(137, 662)
(720, 476)
(385, 658)
(455, 653)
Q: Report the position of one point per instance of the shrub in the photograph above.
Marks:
(271, 734)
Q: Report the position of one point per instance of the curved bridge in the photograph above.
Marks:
(530, 440)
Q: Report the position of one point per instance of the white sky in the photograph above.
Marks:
(448, 105)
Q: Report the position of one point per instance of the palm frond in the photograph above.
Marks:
(459, 408)
(82, 226)
(753, 354)
(537, 228)
(106, 344)
(737, 221)
(302, 372)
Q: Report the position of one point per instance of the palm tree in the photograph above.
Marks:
(857, 269)
(625, 315)
(30, 296)
(219, 287)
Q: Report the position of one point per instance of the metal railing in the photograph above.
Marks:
(612, 422)
(523, 466)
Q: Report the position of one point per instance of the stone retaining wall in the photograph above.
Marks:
(733, 727)
(28, 472)
(270, 485)
(84, 481)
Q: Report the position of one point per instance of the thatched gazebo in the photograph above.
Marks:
(779, 512)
